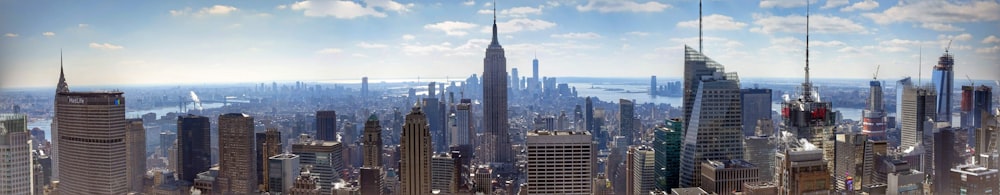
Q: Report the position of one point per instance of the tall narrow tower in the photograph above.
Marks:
(415, 155)
(373, 142)
(873, 117)
(495, 104)
(944, 78)
(236, 155)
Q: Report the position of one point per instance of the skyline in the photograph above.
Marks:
(333, 40)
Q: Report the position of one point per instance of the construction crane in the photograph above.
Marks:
(875, 75)
(949, 46)
(971, 83)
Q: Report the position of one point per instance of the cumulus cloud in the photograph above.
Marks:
(349, 9)
(451, 28)
(638, 33)
(367, 45)
(11, 35)
(862, 5)
(714, 22)
(940, 27)
(987, 50)
(48, 34)
(408, 37)
(834, 3)
(469, 3)
(520, 24)
(605, 6)
(827, 43)
(784, 3)
(329, 51)
(991, 39)
(768, 24)
(960, 37)
(587, 35)
(939, 12)
(105, 46)
(469, 48)
(517, 12)
(213, 10)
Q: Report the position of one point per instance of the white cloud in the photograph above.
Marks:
(218, 10)
(834, 3)
(986, 50)
(991, 39)
(105, 46)
(367, 45)
(588, 35)
(82, 25)
(520, 24)
(470, 48)
(180, 12)
(862, 5)
(349, 9)
(940, 27)
(469, 3)
(827, 43)
(11, 35)
(48, 34)
(281, 7)
(795, 23)
(409, 37)
(552, 3)
(714, 22)
(638, 33)
(939, 12)
(359, 55)
(451, 28)
(517, 12)
(960, 37)
(784, 3)
(329, 51)
(605, 6)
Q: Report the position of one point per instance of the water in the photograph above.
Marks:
(46, 124)
(639, 93)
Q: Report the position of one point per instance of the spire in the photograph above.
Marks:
(700, 49)
(61, 86)
(807, 86)
(494, 42)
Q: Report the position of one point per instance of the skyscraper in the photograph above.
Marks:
(325, 157)
(626, 119)
(652, 85)
(535, 80)
(714, 129)
(667, 146)
(463, 124)
(326, 125)
(917, 107)
(855, 162)
(236, 155)
(443, 179)
(90, 141)
(727, 176)
(944, 81)
(15, 147)
(268, 144)
(495, 105)
(364, 89)
(415, 154)
(589, 117)
(642, 177)
(373, 142)
(194, 146)
(800, 168)
(759, 149)
(283, 169)
(756, 105)
(135, 139)
(560, 162)
(515, 82)
(873, 117)
(167, 140)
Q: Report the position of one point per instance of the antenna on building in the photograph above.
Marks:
(807, 86)
(920, 65)
(700, 49)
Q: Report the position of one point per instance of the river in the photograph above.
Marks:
(46, 124)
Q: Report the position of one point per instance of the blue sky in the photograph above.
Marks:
(195, 42)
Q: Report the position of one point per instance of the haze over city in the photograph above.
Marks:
(197, 42)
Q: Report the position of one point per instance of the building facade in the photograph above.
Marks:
(135, 168)
(727, 176)
(667, 145)
(326, 159)
(373, 142)
(495, 123)
(194, 146)
(90, 135)
(236, 155)
(415, 155)
(16, 171)
(560, 162)
(326, 125)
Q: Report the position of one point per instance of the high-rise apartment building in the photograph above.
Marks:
(373, 142)
(325, 157)
(560, 162)
(727, 176)
(16, 170)
(194, 146)
(237, 167)
(667, 145)
(135, 149)
(714, 130)
(415, 155)
(756, 105)
(326, 125)
(495, 123)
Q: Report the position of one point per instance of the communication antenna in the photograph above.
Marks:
(920, 65)
(700, 49)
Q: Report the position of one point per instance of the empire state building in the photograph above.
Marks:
(496, 143)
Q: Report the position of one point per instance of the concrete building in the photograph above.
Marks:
(305, 184)
(800, 168)
(667, 145)
(714, 126)
(727, 176)
(326, 125)
(90, 144)
(268, 144)
(16, 170)
(236, 155)
(904, 180)
(760, 188)
(373, 142)
(371, 180)
(917, 107)
(415, 155)
(464, 124)
(483, 179)
(973, 179)
(167, 140)
(756, 105)
(641, 166)
(495, 123)
(443, 179)
(194, 146)
(560, 162)
(325, 159)
(855, 162)
(135, 154)
(283, 171)
(760, 149)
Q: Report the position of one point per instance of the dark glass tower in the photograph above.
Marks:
(194, 146)
(326, 125)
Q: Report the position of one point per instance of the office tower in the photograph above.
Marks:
(944, 81)
(283, 170)
(652, 85)
(435, 119)
(972, 179)
(901, 179)
(855, 162)
(760, 149)
(560, 162)
(626, 116)
(268, 144)
(482, 175)
(535, 80)
(561, 122)
(756, 105)
(965, 108)
(515, 83)
(667, 145)
(305, 184)
(326, 159)
(373, 142)
(727, 176)
(917, 106)
(326, 125)
(371, 180)
(873, 116)
(980, 103)
(589, 116)
(135, 153)
(194, 146)
(166, 141)
(90, 141)
(495, 105)
(415, 154)
(236, 155)
(800, 168)
(714, 127)
(901, 86)
(464, 130)
(15, 146)
(364, 89)
(941, 155)
(642, 174)
(443, 180)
